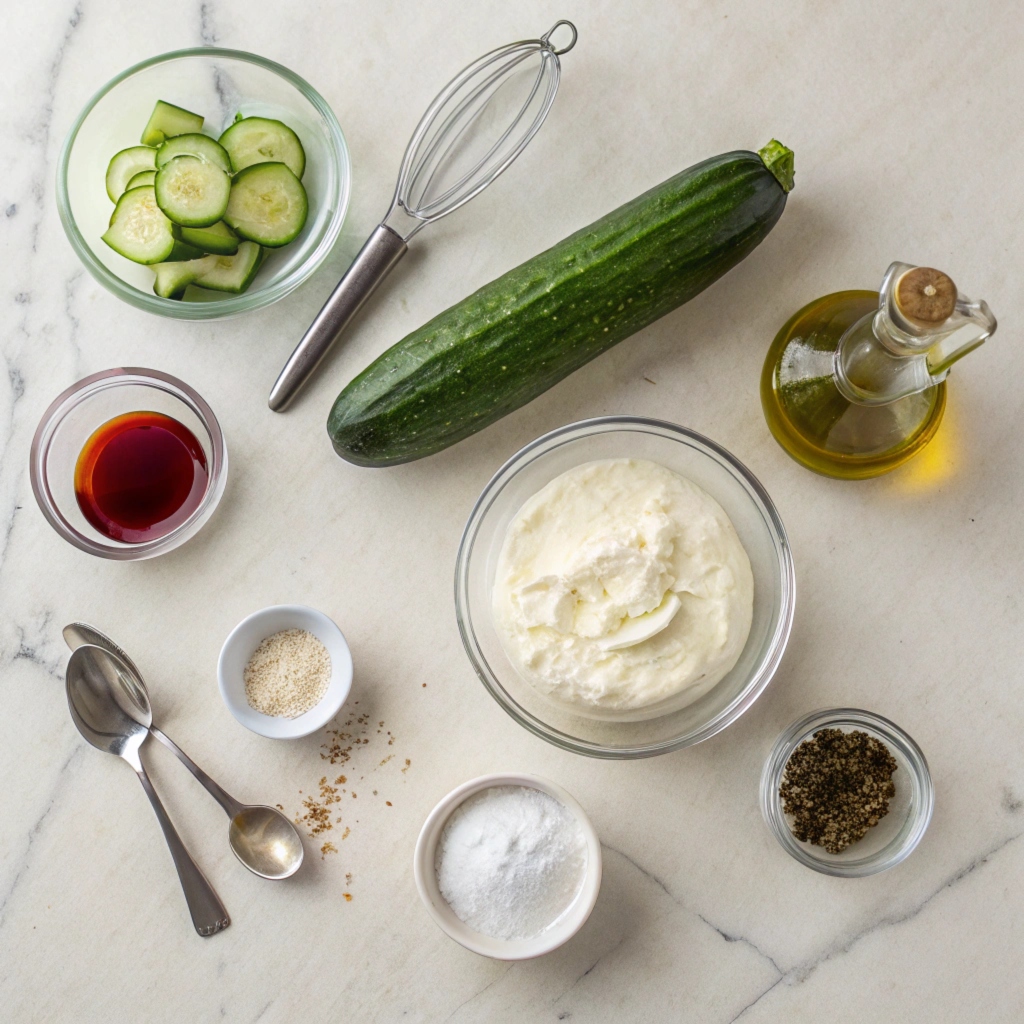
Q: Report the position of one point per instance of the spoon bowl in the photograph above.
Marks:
(111, 713)
(265, 841)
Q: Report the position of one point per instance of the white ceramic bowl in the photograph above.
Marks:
(247, 636)
(568, 924)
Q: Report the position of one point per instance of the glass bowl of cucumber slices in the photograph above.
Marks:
(204, 183)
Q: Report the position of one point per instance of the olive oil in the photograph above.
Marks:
(855, 382)
(815, 422)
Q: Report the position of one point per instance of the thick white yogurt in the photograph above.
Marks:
(583, 592)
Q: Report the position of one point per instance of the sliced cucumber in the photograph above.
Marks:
(217, 238)
(182, 251)
(192, 192)
(267, 204)
(138, 228)
(218, 273)
(194, 144)
(125, 165)
(168, 120)
(173, 278)
(260, 140)
(230, 273)
(142, 178)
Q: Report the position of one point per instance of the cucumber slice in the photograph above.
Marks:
(142, 178)
(192, 192)
(217, 238)
(182, 251)
(267, 204)
(173, 278)
(194, 144)
(138, 228)
(125, 165)
(168, 120)
(218, 273)
(231, 273)
(260, 140)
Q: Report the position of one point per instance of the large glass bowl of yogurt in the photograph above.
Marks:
(650, 624)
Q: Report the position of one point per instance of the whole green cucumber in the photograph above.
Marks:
(522, 333)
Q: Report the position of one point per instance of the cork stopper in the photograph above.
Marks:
(926, 297)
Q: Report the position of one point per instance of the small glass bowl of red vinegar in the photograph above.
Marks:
(114, 425)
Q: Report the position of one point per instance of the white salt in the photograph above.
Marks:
(510, 861)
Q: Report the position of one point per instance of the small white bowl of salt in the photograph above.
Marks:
(285, 671)
(509, 866)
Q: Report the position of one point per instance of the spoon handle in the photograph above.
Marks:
(208, 913)
(225, 799)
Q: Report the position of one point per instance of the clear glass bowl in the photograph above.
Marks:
(894, 838)
(216, 83)
(707, 465)
(71, 420)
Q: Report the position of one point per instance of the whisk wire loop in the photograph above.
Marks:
(426, 209)
(454, 123)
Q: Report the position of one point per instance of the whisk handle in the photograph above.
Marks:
(382, 250)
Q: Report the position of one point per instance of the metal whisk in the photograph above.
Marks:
(478, 124)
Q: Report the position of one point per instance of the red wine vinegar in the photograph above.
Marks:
(139, 476)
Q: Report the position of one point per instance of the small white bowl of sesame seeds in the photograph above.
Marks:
(285, 671)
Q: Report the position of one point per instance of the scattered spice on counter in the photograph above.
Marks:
(348, 897)
(320, 814)
(317, 818)
(288, 674)
(836, 786)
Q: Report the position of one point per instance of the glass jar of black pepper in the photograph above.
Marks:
(868, 841)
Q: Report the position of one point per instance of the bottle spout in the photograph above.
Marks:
(923, 325)
(977, 326)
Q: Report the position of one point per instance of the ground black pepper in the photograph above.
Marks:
(836, 786)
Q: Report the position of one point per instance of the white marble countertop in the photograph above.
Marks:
(905, 120)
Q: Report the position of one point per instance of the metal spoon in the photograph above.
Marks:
(262, 838)
(111, 714)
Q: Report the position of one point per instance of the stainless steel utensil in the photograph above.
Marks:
(111, 712)
(261, 837)
(477, 125)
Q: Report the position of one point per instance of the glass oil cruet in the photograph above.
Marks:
(854, 383)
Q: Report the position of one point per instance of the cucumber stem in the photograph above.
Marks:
(779, 160)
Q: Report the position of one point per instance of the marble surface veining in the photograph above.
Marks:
(905, 120)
